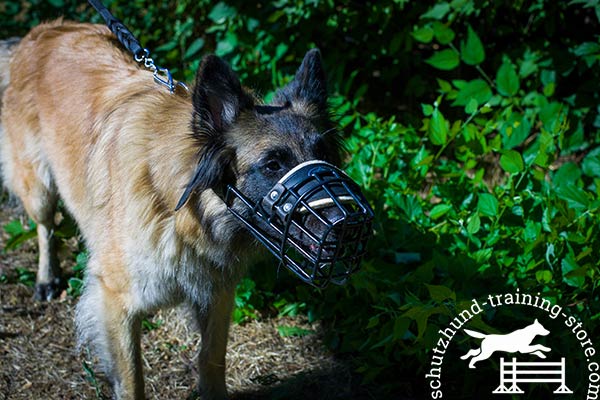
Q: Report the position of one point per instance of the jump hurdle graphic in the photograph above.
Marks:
(544, 372)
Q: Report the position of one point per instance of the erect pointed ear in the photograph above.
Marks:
(309, 83)
(218, 96)
(218, 99)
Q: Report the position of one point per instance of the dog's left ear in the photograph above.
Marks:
(309, 84)
(218, 99)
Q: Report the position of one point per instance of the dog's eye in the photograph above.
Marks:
(273, 166)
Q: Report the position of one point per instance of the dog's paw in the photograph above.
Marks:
(539, 354)
(48, 291)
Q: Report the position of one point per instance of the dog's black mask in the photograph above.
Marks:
(317, 222)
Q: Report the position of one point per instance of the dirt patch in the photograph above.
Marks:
(38, 359)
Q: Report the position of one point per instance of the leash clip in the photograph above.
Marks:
(162, 76)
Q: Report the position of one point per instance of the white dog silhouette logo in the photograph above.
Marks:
(517, 341)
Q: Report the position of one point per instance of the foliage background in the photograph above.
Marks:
(474, 127)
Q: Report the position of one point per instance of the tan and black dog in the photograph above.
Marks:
(84, 123)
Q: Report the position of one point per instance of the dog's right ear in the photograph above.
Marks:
(218, 99)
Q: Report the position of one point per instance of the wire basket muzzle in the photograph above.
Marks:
(318, 223)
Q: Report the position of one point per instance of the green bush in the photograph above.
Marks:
(474, 127)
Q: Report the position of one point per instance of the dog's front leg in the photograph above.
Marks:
(105, 321)
(214, 326)
(124, 340)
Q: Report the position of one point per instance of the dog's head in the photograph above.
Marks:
(251, 146)
(539, 328)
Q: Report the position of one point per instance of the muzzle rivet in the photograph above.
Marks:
(274, 194)
(287, 207)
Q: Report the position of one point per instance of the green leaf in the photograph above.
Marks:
(286, 331)
(445, 87)
(167, 46)
(373, 321)
(544, 276)
(512, 162)
(438, 11)
(427, 109)
(529, 64)
(445, 60)
(438, 128)
(440, 293)
(471, 51)
(474, 224)
(221, 12)
(18, 234)
(420, 314)
(401, 326)
(573, 274)
(515, 131)
(439, 210)
(507, 80)
(549, 89)
(472, 106)
(443, 33)
(14, 227)
(482, 256)
(75, 286)
(586, 48)
(227, 45)
(423, 35)
(591, 163)
(477, 89)
(487, 205)
(57, 3)
(575, 196)
(568, 174)
(194, 48)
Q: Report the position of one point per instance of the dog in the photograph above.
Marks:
(83, 122)
(517, 341)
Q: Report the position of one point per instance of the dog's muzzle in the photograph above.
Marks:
(315, 220)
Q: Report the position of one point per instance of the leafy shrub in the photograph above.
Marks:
(473, 126)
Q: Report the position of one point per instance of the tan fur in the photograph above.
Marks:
(83, 120)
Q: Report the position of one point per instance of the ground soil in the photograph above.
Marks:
(38, 358)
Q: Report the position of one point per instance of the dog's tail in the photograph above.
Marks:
(7, 48)
(475, 334)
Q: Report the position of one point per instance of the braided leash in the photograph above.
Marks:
(161, 75)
